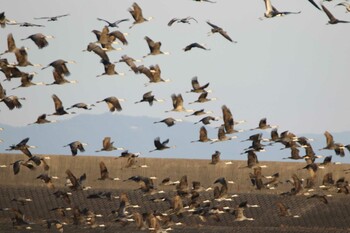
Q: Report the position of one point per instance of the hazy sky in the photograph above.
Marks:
(292, 70)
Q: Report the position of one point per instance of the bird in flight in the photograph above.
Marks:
(113, 24)
(217, 29)
(52, 18)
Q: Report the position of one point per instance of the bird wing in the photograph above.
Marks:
(106, 143)
(195, 83)
(203, 96)
(328, 13)
(314, 4)
(172, 21)
(59, 16)
(150, 42)
(58, 102)
(221, 132)
(103, 170)
(72, 178)
(203, 134)
(137, 12)
(224, 34)
(179, 100)
(147, 95)
(157, 143)
(11, 45)
(262, 123)
(212, 25)
(118, 35)
(23, 142)
(104, 20)
(329, 139)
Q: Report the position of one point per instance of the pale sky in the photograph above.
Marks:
(292, 70)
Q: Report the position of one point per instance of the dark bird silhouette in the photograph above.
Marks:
(59, 109)
(204, 1)
(52, 18)
(203, 135)
(60, 67)
(27, 24)
(314, 4)
(161, 145)
(9, 70)
(217, 29)
(130, 62)
(331, 145)
(39, 39)
(42, 120)
(22, 146)
(75, 146)
(82, 106)
(16, 166)
(136, 13)
(12, 101)
(153, 73)
(104, 172)
(207, 120)
(202, 98)
(181, 20)
(194, 45)
(222, 135)
(263, 125)
(178, 102)
(107, 145)
(4, 20)
(113, 24)
(148, 97)
(229, 121)
(109, 69)
(215, 158)
(101, 52)
(294, 154)
(271, 11)
(154, 47)
(332, 19)
(169, 121)
(113, 103)
(199, 113)
(196, 87)
(26, 80)
(75, 184)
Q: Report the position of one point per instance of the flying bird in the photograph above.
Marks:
(52, 18)
(217, 29)
(60, 67)
(59, 109)
(271, 11)
(153, 73)
(196, 87)
(148, 97)
(194, 45)
(203, 135)
(346, 5)
(12, 101)
(160, 145)
(222, 135)
(136, 13)
(113, 24)
(154, 47)
(169, 121)
(332, 19)
(23, 147)
(113, 103)
(82, 106)
(42, 120)
(181, 20)
(39, 39)
(107, 145)
(75, 146)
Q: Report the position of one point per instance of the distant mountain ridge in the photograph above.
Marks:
(136, 133)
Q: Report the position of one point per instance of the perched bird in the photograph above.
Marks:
(75, 146)
(136, 13)
(161, 145)
(107, 145)
(332, 19)
(217, 29)
(113, 24)
(113, 103)
(52, 18)
(169, 121)
(39, 39)
(194, 45)
(181, 20)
